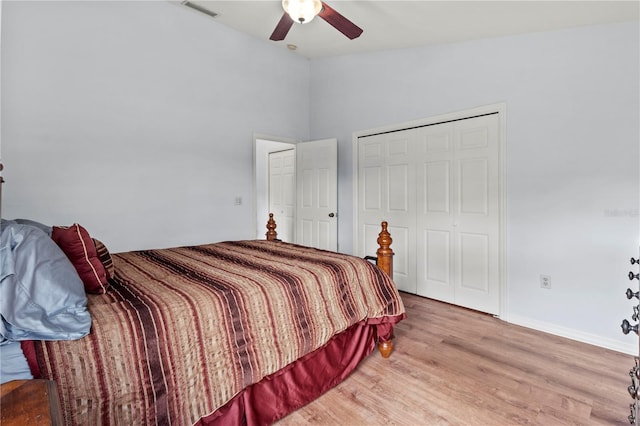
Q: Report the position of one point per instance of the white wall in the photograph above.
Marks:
(136, 119)
(572, 156)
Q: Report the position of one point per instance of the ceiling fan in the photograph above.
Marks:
(304, 11)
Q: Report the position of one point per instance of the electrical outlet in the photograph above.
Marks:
(545, 281)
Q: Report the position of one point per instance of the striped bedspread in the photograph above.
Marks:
(183, 330)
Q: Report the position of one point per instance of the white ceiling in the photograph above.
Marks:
(400, 24)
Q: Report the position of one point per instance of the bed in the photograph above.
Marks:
(236, 332)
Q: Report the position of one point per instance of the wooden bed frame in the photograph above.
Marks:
(340, 355)
(384, 261)
(384, 258)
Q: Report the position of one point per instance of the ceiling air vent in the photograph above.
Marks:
(199, 8)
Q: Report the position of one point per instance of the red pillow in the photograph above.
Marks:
(76, 243)
(105, 257)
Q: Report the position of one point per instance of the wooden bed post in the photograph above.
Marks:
(271, 229)
(385, 254)
(385, 262)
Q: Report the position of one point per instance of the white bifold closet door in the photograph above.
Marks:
(439, 188)
(387, 187)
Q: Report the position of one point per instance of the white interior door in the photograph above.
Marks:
(282, 192)
(317, 194)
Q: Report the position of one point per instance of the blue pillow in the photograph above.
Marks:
(46, 228)
(13, 364)
(41, 294)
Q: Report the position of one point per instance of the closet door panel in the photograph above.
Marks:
(402, 269)
(435, 265)
(386, 192)
(473, 261)
(474, 191)
(434, 216)
(437, 187)
(397, 188)
(371, 182)
(477, 214)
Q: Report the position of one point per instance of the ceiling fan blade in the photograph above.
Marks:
(283, 27)
(339, 22)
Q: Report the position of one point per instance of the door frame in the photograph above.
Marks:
(501, 109)
(259, 223)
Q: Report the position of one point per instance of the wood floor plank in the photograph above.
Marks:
(454, 366)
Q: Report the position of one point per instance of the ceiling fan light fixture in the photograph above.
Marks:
(302, 11)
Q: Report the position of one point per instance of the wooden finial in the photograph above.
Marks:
(385, 253)
(271, 229)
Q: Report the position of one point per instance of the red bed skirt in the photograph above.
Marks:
(301, 381)
(297, 384)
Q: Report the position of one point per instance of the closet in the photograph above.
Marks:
(439, 187)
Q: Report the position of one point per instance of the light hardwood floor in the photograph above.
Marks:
(453, 366)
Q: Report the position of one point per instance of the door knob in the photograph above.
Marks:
(635, 261)
(631, 294)
(632, 276)
(331, 214)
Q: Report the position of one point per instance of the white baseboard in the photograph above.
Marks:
(615, 345)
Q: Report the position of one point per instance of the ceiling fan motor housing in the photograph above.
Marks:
(302, 11)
